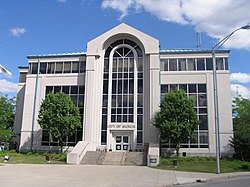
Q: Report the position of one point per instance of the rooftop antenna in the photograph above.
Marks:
(198, 36)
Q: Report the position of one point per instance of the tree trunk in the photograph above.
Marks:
(242, 157)
(61, 147)
(177, 149)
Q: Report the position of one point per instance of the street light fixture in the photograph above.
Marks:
(216, 105)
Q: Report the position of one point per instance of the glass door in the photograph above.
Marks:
(122, 143)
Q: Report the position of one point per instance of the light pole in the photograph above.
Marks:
(216, 104)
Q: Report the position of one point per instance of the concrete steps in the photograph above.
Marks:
(93, 158)
(114, 158)
(135, 159)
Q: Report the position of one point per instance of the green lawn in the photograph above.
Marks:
(32, 158)
(204, 164)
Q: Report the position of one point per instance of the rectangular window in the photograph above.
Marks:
(22, 77)
(125, 65)
(139, 137)
(120, 64)
(49, 89)
(78, 100)
(81, 89)
(164, 88)
(131, 100)
(202, 88)
(198, 93)
(59, 67)
(204, 122)
(65, 89)
(139, 122)
(172, 64)
(74, 99)
(226, 63)
(125, 100)
(74, 90)
(209, 63)
(200, 64)
(104, 137)
(114, 67)
(43, 67)
(57, 89)
(173, 87)
(82, 66)
(113, 111)
(192, 88)
(164, 64)
(139, 64)
(105, 101)
(203, 137)
(140, 85)
(125, 86)
(106, 65)
(183, 87)
(219, 64)
(104, 121)
(140, 101)
(191, 64)
(67, 67)
(105, 87)
(75, 67)
(131, 86)
(51, 68)
(182, 64)
(202, 100)
(34, 68)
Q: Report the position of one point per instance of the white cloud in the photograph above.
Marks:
(240, 90)
(7, 87)
(237, 89)
(240, 77)
(217, 18)
(17, 31)
(120, 5)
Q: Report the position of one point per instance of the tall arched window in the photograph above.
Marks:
(123, 87)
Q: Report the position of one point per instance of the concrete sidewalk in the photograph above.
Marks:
(29, 175)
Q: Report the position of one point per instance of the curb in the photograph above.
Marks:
(214, 179)
(229, 176)
(191, 181)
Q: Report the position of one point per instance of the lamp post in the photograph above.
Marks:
(216, 104)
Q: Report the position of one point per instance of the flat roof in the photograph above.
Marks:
(74, 54)
(162, 51)
(191, 51)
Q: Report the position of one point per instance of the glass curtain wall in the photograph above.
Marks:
(198, 92)
(126, 84)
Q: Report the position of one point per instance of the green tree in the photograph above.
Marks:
(59, 116)
(7, 116)
(241, 123)
(176, 119)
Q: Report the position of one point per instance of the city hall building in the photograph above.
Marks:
(117, 85)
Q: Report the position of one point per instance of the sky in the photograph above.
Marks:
(30, 27)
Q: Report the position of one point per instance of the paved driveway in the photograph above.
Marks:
(29, 175)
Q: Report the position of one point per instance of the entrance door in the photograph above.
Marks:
(122, 143)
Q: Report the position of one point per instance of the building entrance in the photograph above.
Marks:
(122, 143)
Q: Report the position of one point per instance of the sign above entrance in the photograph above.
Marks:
(121, 126)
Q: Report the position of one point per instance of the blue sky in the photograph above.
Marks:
(61, 26)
